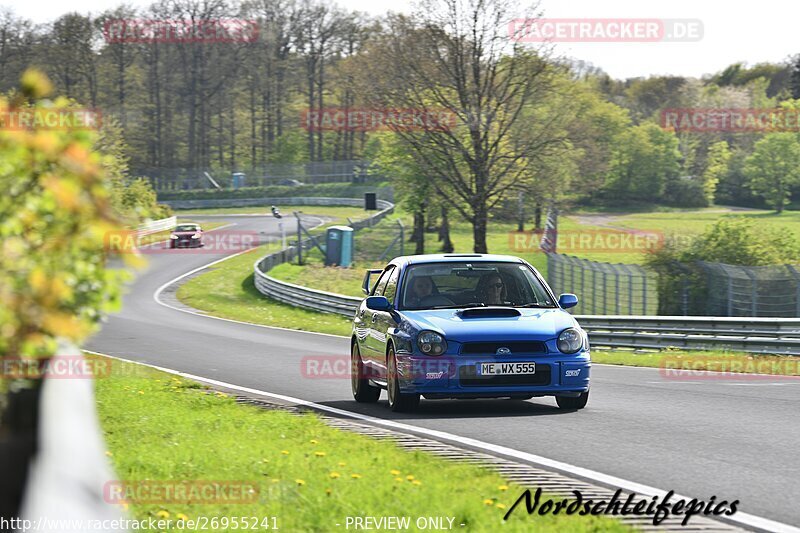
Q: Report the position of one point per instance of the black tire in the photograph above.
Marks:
(398, 402)
(363, 390)
(569, 403)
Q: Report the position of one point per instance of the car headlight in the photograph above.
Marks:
(173, 236)
(570, 341)
(196, 236)
(431, 343)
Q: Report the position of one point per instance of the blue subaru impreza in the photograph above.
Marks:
(466, 326)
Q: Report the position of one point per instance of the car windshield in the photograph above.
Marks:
(476, 284)
(187, 227)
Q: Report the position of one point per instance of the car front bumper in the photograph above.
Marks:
(458, 376)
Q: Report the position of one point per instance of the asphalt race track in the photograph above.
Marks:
(733, 439)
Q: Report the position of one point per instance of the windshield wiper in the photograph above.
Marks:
(536, 305)
(472, 305)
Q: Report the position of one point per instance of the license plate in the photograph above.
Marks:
(503, 369)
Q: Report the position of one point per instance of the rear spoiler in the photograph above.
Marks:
(365, 286)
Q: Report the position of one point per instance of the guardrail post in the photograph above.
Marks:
(796, 275)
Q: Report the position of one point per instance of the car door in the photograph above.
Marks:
(371, 345)
(382, 321)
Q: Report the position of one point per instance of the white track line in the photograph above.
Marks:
(741, 519)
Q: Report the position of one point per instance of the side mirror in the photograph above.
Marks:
(567, 300)
(378, 303)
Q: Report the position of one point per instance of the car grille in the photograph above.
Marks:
(516, 347)
(468, 377)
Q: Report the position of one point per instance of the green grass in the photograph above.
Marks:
(227, 291)
(309, 476)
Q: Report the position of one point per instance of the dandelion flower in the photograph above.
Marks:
(313, 441)
(334, 475)
(285, 452)
(342, 463)
(300, 482)
(416, 482)
(355, 476)
(399, 479)
(181, 516)
(488, 502)
(162, 514)
(502, 488)
(395, 472)
(319, 454)
(410, 477)
(500, 506)
(328, 491)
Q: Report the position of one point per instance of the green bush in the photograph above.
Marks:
(732, 241)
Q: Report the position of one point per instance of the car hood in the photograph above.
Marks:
(541, 323)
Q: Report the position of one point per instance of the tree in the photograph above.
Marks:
(454, 56)
(795, 79)
(643, 163)
(774, 168)
(716, 166)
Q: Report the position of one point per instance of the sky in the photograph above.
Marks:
(766, 32)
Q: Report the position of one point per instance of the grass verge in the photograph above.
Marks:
(227, 291)
(310, 477)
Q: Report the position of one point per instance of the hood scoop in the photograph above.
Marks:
(489, 312)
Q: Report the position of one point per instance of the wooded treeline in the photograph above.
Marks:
(528, 122)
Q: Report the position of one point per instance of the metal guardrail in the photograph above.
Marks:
(752, 335)
(155, 226)
(267, 201)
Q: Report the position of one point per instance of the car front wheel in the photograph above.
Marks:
(573, 403)
(398, 402)
(363, 390)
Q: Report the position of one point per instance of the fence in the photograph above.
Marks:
(604, 288)
(172, 179)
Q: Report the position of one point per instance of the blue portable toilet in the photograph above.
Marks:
(339, 246)
(238, 179)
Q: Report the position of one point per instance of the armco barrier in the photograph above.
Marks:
(255, 202)
(752, 335)
(155, 226)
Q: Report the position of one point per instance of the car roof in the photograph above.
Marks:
(450, 258)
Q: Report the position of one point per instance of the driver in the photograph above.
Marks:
(421, 287)
(492, 289)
